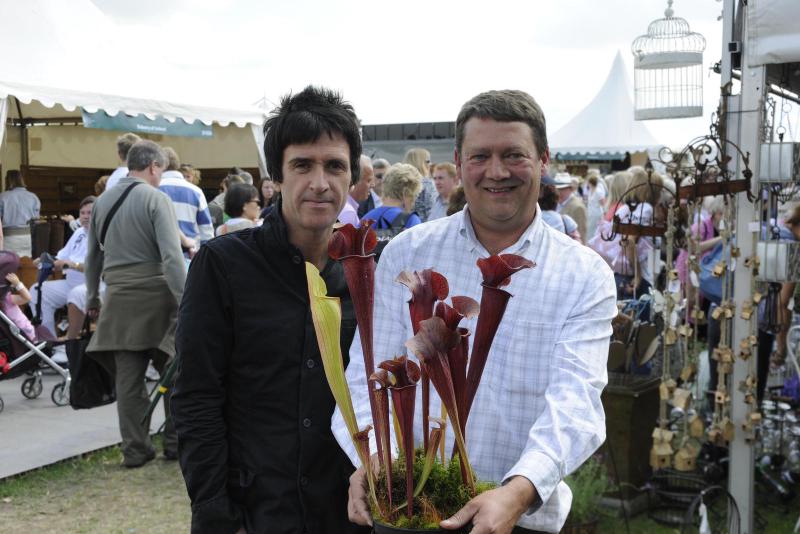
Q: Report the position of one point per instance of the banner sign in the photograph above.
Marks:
(141, 124)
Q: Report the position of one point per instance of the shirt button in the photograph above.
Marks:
(310, 363)
(304, 481)
(297, 259)
(306, 422)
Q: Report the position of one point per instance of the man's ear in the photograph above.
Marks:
(546, 161)
(457, 160)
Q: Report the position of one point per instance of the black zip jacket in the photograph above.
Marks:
(251, 404)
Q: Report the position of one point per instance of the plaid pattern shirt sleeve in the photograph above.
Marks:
(537, 412)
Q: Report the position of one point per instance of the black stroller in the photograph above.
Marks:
(20, 355)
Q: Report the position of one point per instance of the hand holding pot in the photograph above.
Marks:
(358, 511)
(495, 511)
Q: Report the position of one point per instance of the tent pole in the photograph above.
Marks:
(23, 162)
(743, 129)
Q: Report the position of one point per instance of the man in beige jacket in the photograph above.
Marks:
(569, 203)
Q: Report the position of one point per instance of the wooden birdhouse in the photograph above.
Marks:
(682, 398)
(670, 336)
(661, 456)
(688, 372)
(698, 314)
(685, 460)
(736, 252)
(725, 368)
(747, 310)
(696, 427)
(719, 269)
(717, 313)
(715, 436)
(757, 297)
(673, 274)
(685, 330)
(728, 429)
(721, 397)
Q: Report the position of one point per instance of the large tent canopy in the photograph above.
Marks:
(62, 58)
(605, 128)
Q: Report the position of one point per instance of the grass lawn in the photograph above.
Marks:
(93, 494)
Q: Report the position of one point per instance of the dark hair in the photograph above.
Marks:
(548, 197)
(303, 118)
(14, 179)
(237, 196)
(508, 105)
(457, 200)
(266, 201)
(91, 199)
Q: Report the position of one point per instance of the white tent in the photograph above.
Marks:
(605, 128)
(61, 57)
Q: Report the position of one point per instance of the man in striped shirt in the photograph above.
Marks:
(191, 208)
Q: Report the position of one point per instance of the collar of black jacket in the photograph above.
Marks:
(274, 232)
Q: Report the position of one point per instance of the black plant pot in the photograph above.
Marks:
(382, 528)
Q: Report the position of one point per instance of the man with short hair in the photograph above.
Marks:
(380, 166)
(374, 199)
(537, 413)
(124, 144)
(569, 203)
(251, 403)
(445, 181)
(358, 193)
(191, 208)
(133, 244)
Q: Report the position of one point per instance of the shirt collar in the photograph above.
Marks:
(531, 238)
(174, 175)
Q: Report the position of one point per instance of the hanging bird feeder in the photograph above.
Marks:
(668, 70)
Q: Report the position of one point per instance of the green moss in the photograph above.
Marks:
(443, 495)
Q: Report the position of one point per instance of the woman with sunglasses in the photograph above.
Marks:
(243, 206)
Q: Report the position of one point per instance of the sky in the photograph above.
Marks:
(410, 61)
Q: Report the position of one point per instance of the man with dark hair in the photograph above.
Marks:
(124, 144)
(537, 413)
(251, 403)
(133, 243)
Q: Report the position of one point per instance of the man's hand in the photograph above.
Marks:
(357, 504)
(93, 313)
(60, 264)
(495, 511)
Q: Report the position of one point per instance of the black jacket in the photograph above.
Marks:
(251, 404)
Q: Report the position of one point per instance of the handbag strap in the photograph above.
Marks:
(113, 211)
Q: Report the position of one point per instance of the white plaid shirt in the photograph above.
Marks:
(537, 412)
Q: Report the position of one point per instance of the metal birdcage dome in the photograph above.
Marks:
(668, 70)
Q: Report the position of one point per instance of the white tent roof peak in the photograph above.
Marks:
(606, 124)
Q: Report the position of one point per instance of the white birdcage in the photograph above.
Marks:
(668, 70)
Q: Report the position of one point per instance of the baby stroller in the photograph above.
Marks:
(20, 355)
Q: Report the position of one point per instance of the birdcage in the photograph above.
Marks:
(668, 70)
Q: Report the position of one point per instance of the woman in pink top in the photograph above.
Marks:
(10, 305)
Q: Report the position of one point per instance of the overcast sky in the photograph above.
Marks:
(411, 61)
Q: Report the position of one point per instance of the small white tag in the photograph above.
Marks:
(674, 287)
(694, 279)
(732, 266)
(753, 226)
(721, 225)
(705, 528)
